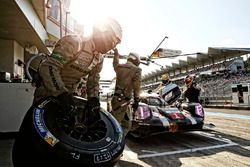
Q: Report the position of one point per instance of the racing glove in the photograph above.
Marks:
(65, 101)
(93, 106)
(178, 104)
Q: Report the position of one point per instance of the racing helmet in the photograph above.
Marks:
(108, 33)
(134, 58)
(165, 78)
(188, 80)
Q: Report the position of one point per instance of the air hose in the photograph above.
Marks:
(29, 62)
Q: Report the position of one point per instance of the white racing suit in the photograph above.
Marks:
(128, 82)
(72, 58)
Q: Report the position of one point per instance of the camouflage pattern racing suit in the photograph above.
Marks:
(72, 58)
(128, 82)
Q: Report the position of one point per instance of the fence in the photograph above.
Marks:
(220, 93)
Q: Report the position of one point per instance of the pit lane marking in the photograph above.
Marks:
(149, 151)
(129, 153)
(227, 141)
(228, 115)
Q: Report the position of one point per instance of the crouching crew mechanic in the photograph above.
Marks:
(128, 82)
(75, 57)
(192, 92)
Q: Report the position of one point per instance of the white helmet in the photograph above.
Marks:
(116, 28)
(134, 58)
(111, 25)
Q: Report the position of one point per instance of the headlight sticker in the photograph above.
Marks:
(199, 110)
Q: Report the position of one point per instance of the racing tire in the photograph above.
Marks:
(46, 138)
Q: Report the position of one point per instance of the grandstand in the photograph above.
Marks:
(215, 71)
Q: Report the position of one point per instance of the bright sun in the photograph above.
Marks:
(87, 12)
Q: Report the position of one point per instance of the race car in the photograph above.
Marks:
(165, 112)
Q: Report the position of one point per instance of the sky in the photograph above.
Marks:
(190, 25)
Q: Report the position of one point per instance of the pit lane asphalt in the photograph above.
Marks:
(225, 145)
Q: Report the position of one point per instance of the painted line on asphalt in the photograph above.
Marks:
(227, 141)
(228, 115)
(186, 150)
(149, 151)
(129, 153)
(211, 137)
(246, 147)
